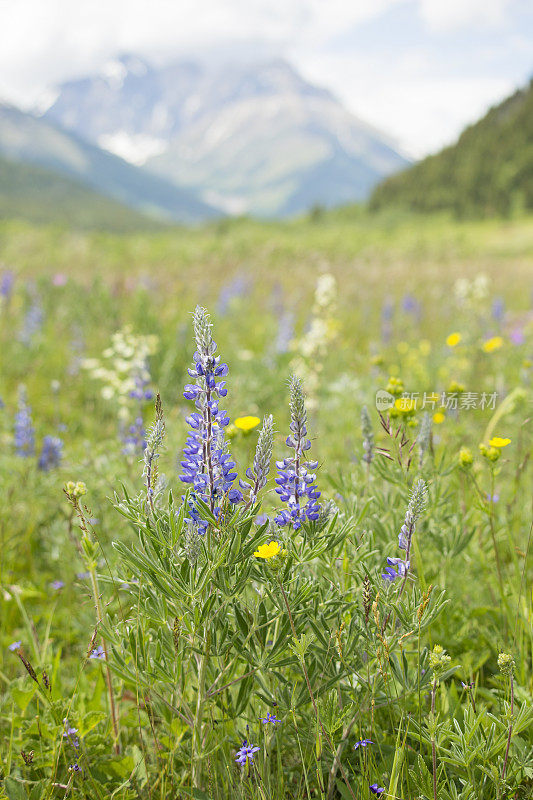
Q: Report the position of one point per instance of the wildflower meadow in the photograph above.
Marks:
(267, 511)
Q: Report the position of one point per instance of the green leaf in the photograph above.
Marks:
(14, 790)
(23, 697)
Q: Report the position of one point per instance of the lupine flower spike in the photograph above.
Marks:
(296, 479)
(51, 453)
(368, 436)
(258, 474)
(154, 440)
(24, 438)
(398, 567)
(207, 464)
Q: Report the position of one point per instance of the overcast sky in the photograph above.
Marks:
(418, 69)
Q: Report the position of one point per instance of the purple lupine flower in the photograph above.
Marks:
(411, 306)
(362, 743)
(71, 734)
(135, 435)
(98, 653)
(376, 789)
(51, 453)
(246, 753)
(239, 286)
(285, 332)
(403, 537)
(24, 437)
(75, 767)
(296, 478)
(398, 567)
(57, 585)
(207, 464)
(389, 574)
(6, 284)
(270, 718)
(517, 336)
(498, 308)
(32, 323)
(14, 646)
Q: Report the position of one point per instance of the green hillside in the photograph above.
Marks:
(43, 196)
(33, 140)
(488, 171)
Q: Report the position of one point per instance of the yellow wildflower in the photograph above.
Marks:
(247, 424)
(267, 550)
(455, 386)
(453, 339)
(497, 441)
(492, 344)
(405, 404)
(466, 459)
(438, 418)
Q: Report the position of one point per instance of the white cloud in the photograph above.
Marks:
(420, 111)
(449, 15)
(415, 95)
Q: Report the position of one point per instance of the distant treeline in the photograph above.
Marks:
(488, 171)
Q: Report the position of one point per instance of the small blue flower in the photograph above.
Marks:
(24, 437)
(98, 653)
(6, 283)
(375, 789)
(57, 585)
(401, 566)
(74, 767)
(51, 453)
(71, 734)
(389, 575)
(14, 646)
(270, 718)
(362, 743)
(246, 753)
(403, 537)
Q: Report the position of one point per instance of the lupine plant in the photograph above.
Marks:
(262, 629)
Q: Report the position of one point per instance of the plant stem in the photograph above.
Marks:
(197, 728)
(99, 618)
(312, 696)
(433, 746)
(504, 769)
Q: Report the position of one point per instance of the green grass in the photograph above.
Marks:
(176, 627)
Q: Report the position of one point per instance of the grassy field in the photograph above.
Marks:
(163, 647)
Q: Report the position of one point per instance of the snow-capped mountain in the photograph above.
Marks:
(248, 137)
(29, 139)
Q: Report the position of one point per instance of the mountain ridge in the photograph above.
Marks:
(42, 196)
(36, 140)
(249, 135)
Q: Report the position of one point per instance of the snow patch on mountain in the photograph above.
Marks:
(136, 149)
